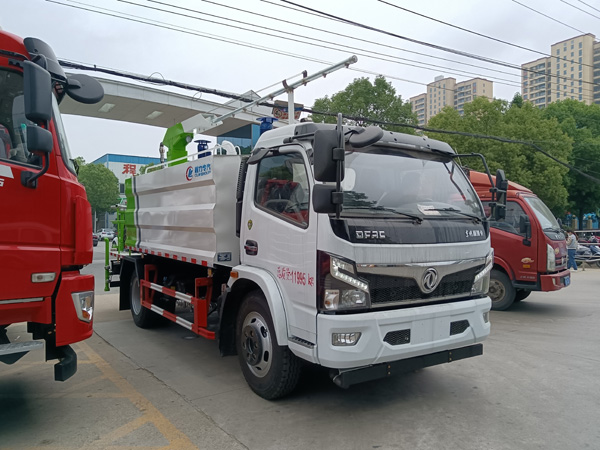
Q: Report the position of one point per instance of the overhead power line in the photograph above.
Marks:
(580, 9)
(430, 45)
(463, 29)
(187, 86)
(223, 39)
(179, 29)
(286, 36)
(472, 135)
(548, 17)
(381, 44)
(588, 5)
(242, 44)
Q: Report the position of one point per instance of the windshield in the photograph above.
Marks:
(543, 214)
(62, 136)
(399, 185)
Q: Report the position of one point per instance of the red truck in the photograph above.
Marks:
(45, 219)
(530, 252)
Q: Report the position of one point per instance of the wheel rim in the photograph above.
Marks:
(257, 346)
(136, 302)
(496, 291)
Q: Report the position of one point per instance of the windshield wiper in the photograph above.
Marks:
(553, 229)
(417, 219)
(458, 211)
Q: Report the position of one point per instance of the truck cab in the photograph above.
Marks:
(360, 288)
(45, 223)
(530, 252)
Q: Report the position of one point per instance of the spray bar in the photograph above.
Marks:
(290, 87)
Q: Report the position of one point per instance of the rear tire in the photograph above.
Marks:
(502, 292)
(271, 371)
(142, 317)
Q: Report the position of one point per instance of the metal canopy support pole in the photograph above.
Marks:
(291, 87)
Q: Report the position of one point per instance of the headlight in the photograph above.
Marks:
(84, 305)
(339, 287)
(550, 258)
(481, 284)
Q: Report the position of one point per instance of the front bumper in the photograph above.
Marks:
(402, 333)
(555, 281)
(346, 378)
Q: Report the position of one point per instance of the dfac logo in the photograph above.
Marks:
(189, 173)
(430, 280)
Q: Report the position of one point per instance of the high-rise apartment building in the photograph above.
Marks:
(447, 92)
(572, 71)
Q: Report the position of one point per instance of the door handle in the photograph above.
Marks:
(251, 248)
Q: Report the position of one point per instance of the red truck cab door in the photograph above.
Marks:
(29, 216)
(511, 248)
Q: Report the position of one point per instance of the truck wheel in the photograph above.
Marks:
(143, 317)
(502, 292)
(521, 294)
(270, 370)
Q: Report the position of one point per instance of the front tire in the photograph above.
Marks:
(271, 371)
(502, 292)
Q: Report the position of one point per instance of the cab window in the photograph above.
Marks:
(13, 124)
(282, 188)
(514, 211)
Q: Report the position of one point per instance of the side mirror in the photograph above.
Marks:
(500, 194)
(324, 145)
(501, 186)
(525, 226)
(38, 92)
(84, 89)
(322, 198)
(39, 139)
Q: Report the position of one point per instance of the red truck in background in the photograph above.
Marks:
(530, 252)
(45, 217)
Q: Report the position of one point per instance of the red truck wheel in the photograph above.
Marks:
(271, 371)
(521, 294)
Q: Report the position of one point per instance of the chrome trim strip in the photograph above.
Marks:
(22, 300)
(416, 270)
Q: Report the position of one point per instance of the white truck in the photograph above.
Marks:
(363, 251)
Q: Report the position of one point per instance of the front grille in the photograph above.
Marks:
(458, 327)
(398, 337)
(389, 289)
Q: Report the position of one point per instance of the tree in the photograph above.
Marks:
(582, 123)
(521, 163)
(101, 185)
(377, 101)
(517, 101)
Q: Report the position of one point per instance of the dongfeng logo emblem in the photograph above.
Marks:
(430, 280)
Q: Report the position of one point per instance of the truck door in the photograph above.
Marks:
(29, 217)
(509, 246)
(279, 233)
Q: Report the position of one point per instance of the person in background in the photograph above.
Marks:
(571, 249)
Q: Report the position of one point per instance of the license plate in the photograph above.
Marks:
(567, 280)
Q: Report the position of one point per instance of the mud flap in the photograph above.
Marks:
(67, 365)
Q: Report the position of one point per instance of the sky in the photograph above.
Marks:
(216, 45)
